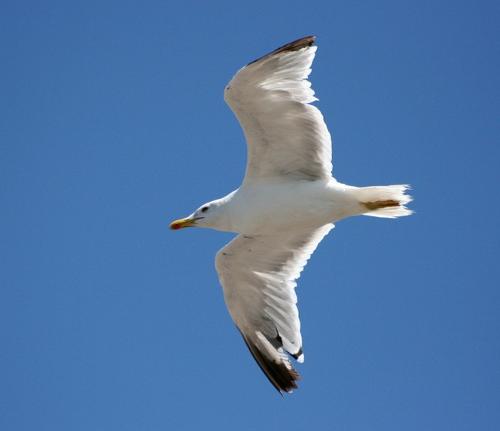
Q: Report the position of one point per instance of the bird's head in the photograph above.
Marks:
(207, 215)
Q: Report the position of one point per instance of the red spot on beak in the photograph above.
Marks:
(179, 224)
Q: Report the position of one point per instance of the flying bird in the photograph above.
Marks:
(287, 203)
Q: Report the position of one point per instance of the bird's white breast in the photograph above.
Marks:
(273, 207)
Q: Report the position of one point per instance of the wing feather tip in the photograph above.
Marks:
(281, 375)
(299, 356)
(295, 45)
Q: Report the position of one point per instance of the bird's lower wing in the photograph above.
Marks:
(258, 276)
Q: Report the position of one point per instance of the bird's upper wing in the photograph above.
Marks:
(286, 136)
(258, 276)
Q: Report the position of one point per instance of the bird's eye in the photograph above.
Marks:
(204, 209)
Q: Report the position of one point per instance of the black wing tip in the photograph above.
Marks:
(297, 44)
(283, 378)
(303, 42)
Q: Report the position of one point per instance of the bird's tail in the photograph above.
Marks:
(384, 201)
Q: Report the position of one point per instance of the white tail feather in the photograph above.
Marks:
(385, 201)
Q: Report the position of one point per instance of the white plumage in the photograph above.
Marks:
(258, 275)
(285, 135)
(287, 203)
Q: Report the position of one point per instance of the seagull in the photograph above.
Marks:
(287, 203)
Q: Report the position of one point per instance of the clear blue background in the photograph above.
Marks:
(113, 123)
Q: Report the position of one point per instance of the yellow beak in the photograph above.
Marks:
(183, 222)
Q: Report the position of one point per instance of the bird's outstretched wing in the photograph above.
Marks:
(286, 136)
(258, 276)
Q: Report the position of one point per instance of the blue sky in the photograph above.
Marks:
(113, 124)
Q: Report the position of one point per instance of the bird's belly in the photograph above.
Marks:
(282, 207)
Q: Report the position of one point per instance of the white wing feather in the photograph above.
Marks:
(286, 136)
(258, 276)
